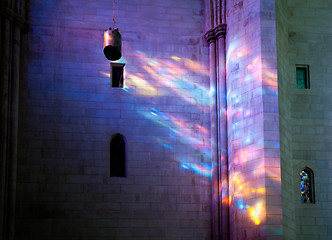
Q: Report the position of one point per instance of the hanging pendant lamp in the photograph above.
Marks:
(112, 41)
(112, 44)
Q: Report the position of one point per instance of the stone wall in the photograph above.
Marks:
(69, 113)
(308, 115)
(285, 121)
(284, 108)
(253, 121)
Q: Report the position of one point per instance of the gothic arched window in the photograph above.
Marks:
(307, 186)
(118, 156)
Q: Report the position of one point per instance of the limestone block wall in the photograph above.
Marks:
(309, 38)
(253, 121)
(68, 113)
(289, 224)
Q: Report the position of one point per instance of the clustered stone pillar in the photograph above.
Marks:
(215, 38)
(12, 22)
(220, 31)
(214, 142)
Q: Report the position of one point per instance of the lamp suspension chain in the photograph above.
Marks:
(113, 13)
(112, 41)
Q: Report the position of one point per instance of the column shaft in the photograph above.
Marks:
(222, 138)
(214, 144)
(11, 27)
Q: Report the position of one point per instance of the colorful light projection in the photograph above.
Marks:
(240, 190)
(181, 132)
(174, 77)
(248, 165)
(171, 77)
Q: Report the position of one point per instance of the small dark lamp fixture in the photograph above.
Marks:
(112, 44)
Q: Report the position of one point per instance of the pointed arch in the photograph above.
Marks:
(118, 156)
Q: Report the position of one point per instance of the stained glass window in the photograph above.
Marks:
(302, 76)
(306, 186)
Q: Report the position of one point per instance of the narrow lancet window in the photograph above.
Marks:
(118, 156)
(307, 187)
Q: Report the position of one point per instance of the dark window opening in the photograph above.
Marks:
(117, 76)
(118, 156)
(307, 186)
(302, 76)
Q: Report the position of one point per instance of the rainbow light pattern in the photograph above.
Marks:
(171, 78)
(160, 78)
(156, 78)
(248, 166)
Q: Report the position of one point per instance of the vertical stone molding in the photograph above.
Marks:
(215, 13)
(12, 21)
(214, 143)
(222, 135)
(215, 38)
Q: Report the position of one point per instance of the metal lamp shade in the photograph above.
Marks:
(112, 44)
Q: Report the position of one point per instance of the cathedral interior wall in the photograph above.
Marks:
(253, 132)
(289, 224)
(69, 112)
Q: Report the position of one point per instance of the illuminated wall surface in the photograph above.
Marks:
(69, 111)
(253, 125)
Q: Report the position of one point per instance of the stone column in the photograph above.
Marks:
(11, 27)
(215, 211)
(215, 38)
(5, 58)
(220, 32)
(220, 217)
(214, 143)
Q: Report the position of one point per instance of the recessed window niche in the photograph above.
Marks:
(117, 76)
(307, 186)
(118, 156)
(302, 77)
